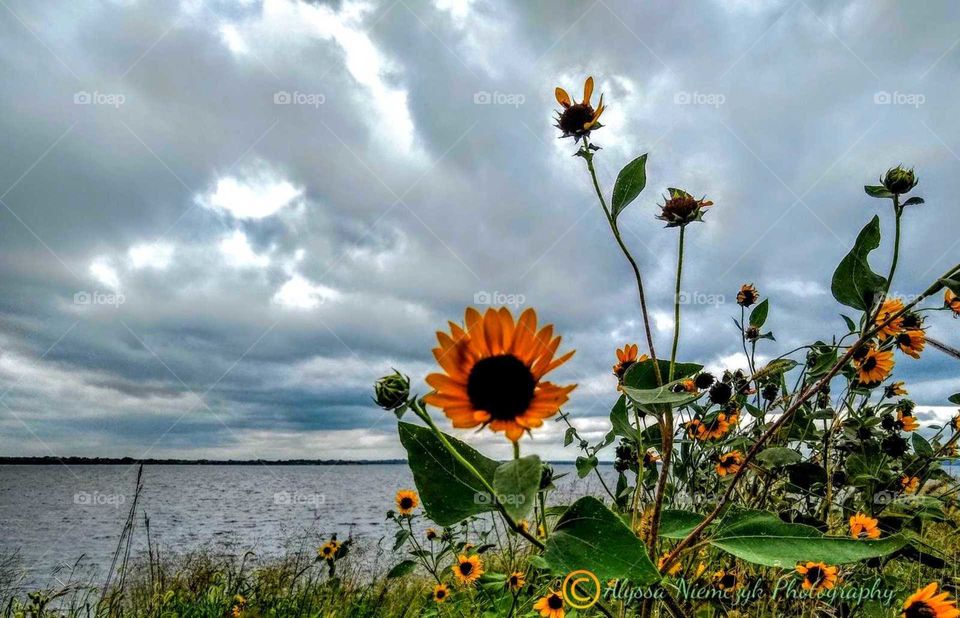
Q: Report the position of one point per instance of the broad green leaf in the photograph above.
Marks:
(877, 191)
(585, 465)
(403, 568)
(449, 492)
(954, 398)
(851, 325)
(854, 283)
(778, 456)
(641, 375)
(662, 395)
(630, 182)
(920, 445)
(677, 524)
(759, 314)
(516, 483)
(590, 536)
(914, 201)
(762, 538)
(569, 435)
(620, 420)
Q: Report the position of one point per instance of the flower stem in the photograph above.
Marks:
(676, 306)
(898, 212)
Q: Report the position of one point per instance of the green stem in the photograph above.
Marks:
(676, 306)
(516, 450)
(898, 212)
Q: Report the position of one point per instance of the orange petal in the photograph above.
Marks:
(587, 90)
(562, 97)
(492, 332)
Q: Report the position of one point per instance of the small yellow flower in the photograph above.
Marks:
(910, 484)
(578, 119)
(926, 603)
(864, 527)
(748, 295)
(953, 301)
(911, 342)
(896, 390)
(674, 568)
(889, 308)
(329, 550)
(906, 421)
(874, 366)
(550, 606)
(817, 576)
(701, 569)
(729, 463)
(726, 580)
(516, 580)
(440, 593)
(468, 569)
(407, 500)
(431, 534)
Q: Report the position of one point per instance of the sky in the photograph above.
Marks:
(222, 221)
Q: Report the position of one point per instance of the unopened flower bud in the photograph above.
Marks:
(392, 391)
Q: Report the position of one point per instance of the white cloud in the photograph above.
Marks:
(237, 252)
(257, 196)
(105, 273)
(151, 255)
(300, 293)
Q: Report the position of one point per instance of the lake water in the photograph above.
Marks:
(52, 515)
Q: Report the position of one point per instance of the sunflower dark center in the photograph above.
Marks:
(815, 575)
(574, 117)
(919, 610)
(728, 581)
(466, 568)
(441, 593)
(870, 364)
(406, 503)
(502, 386)
(555, 602)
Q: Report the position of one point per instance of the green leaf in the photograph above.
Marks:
(516, 483)
(677, 524)
(776, 456)
(854, 283)
(449, 492)
(762, 538)
(585, 465)
(759, 314)
(620, 420)
(590, 536)
(851, 325)
(400, 538)
(877, 191)
(403, 568)
(914, 201)
(952, 284)
(663, 395)
(630, 182)
(954, 398)
(920, 445)
(569, 435)
(776, 367)
(641, 375)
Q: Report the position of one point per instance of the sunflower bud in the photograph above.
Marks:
(391, 392)
(899, 181)
(682, 208)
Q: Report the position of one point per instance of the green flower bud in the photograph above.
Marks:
(898, 180)
(392, 391)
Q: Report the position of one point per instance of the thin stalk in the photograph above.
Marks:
(676, 305)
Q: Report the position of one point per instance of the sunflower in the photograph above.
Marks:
(431, 534)
(950, 299)
(440, 593)
(626, 357)
(863, 527)
(909, 484)
(907, 422)
(682, 208)
(516, 580)
(912, 342)
(747, 295)
(578, 119)
(895, 390)
(711, 429)
(817, 576)
(926, 603)
(726, 580)
(874, 366)
(468, 569)
(956, 422)
(729, 463)
(887, 309)
(674, 568)
(329, 550)
(550, 606)
(650, 457)
(493, 371)
(523, 525)
(407, 501)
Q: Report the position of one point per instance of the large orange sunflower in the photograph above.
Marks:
(926, 603)
(493, 370)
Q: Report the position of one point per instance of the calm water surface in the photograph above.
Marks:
(53, 515)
